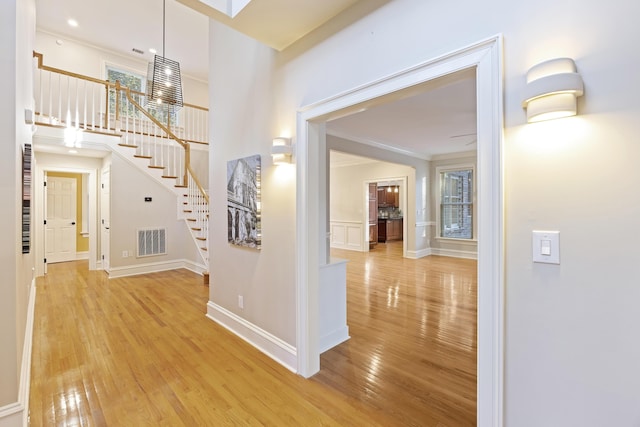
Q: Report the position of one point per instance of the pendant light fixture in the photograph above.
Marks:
(164, 85)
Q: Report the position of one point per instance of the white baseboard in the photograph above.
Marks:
(269, 344)
(334, 338)
(454, 253)
(16, 414)
(155, 267)
(419, 254)
(82, 255)
(195, 267)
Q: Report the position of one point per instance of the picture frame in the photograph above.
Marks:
(26, 198)
(243, 202)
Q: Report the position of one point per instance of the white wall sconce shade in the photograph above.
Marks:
(281, 150)
(552, 90)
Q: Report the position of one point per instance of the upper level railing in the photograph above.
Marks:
(62, 96)
(71, 100)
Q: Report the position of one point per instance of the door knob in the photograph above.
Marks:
(73, 223)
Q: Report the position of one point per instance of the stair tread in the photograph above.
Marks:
(201, 238)
(155, 167)
(128, 145)
(180, 185)
(196, 228)
(169, 176)
(204, 249)
(140, 156)
(191, 219)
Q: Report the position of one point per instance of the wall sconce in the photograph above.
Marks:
(552, 89)
(281, 150)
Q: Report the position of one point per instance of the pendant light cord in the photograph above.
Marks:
(164, 5)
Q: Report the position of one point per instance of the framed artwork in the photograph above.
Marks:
(26, 199)
(243, 202)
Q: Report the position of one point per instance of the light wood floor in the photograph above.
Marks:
(412, 352)
(139, 351)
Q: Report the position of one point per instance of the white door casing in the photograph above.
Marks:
(105, 216)
(486, 57)
(60, 229)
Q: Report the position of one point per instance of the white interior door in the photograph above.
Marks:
(60, 240)
(105, 210)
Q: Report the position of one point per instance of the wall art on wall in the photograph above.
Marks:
(26, 199)
(243, 202)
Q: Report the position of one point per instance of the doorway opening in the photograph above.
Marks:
(86, 224)
(66, 234)
(485, 58)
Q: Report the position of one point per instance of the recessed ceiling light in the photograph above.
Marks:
(152, 50)
(72, 22)
(73, 151)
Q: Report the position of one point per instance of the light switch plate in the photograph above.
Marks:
(551, 246)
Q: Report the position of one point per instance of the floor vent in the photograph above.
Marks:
(152, 241)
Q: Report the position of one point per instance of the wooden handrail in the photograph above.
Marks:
(66, 73)
(94, 80)
(118, 87)
(186, 146)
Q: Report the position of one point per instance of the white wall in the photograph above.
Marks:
(347, 192)
(90, 61)
(129, 212)
(17, 21)
(242, 125)
(571, 357)
(418, 202)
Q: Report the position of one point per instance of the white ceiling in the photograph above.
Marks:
(436, 118)
(276, 23)
(121, 25)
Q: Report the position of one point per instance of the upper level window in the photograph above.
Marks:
(456, 208)
(133, 81)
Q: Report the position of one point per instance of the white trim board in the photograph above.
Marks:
(419, 254)
(155, 267)
(17, 413)
(486, 58)
(455, 253)
(269, 344)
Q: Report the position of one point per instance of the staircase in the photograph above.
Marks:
(80, 103)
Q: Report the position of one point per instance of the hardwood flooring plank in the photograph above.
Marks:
(412, 352)
(139, 351)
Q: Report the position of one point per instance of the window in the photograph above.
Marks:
(456, 203)
(137, 83)
(133, 81)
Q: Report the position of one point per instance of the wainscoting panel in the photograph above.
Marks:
(347, 235)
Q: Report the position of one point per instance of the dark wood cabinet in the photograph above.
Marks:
(389, 196)
(389, 229)
(382, 196)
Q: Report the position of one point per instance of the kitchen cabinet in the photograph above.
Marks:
(389, 196)
(389, 229)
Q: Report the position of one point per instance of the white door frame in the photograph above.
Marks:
(41, 268)
(403, 206)
(311, 243)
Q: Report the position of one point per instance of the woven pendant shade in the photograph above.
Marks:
(164, 86)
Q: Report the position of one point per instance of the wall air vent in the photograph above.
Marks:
(152, 241)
